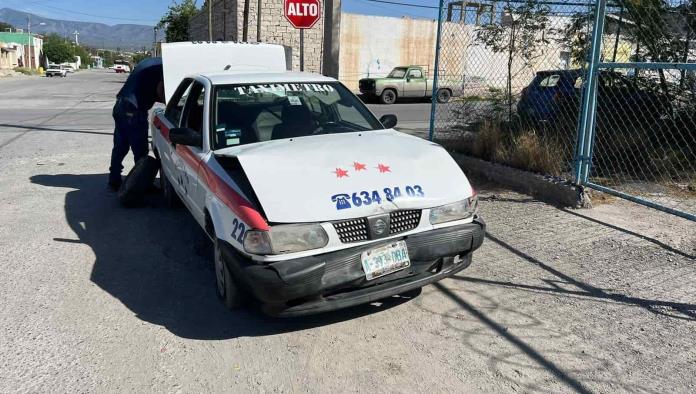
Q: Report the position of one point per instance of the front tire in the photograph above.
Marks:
(388, 96)
(227, 289)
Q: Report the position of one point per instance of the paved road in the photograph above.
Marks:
(414, 118)
(97, 298)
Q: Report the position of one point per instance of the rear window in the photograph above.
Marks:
(550, 82)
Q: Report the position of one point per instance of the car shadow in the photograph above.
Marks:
(157, 263)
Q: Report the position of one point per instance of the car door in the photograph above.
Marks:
(171, 119)
(415, 84)
(189, 158)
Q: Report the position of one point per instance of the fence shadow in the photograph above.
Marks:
(631, 233)
(157, 263)
(685, 311)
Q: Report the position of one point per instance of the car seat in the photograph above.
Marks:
(297, 121)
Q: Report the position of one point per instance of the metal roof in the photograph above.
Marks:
(19, 38)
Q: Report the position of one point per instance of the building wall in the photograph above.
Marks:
(30, 47)
(406, 41)
(275, 29)
(373, 45)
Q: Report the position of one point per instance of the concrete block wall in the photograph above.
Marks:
(275, 29)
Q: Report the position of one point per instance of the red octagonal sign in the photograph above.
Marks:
(302, 14)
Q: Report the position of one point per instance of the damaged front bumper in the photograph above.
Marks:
(336, 280)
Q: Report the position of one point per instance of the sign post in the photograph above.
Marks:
(302, 14)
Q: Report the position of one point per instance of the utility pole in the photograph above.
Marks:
(28, 51)
(332, 37)
(154, 43)
(258, 21)
(224, 20)
(210, 20)
(245, 27)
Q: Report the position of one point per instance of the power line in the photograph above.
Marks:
(92, 15)
(431, 7)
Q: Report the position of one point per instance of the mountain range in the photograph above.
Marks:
(99, 35)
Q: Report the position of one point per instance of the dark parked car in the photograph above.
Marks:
(555, 95)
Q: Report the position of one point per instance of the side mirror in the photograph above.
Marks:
(186, 136)
(388, 121)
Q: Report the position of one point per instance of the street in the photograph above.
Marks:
(98, 298)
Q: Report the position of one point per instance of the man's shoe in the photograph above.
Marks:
(114, 186)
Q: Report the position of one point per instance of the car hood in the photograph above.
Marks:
(332, 177)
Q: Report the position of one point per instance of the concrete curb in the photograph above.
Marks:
(550, 189)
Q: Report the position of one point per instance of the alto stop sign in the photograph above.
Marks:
(302, 14)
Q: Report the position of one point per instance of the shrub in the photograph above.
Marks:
(26, 71)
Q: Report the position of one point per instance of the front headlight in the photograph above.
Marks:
(285, 239)
(457, 211)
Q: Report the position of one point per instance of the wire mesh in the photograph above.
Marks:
(645, 137)
(518, 71)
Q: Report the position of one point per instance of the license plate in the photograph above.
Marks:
(385, 260)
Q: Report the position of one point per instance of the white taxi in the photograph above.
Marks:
(312, 203)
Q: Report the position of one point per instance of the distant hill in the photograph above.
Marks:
(99, 35)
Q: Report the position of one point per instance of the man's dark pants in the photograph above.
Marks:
(131, 132)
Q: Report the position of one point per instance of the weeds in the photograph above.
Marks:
(26, 71)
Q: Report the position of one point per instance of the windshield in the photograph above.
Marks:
(245, 114)
(398, 73)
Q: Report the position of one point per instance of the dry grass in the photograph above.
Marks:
(532, 152)
(525, 150)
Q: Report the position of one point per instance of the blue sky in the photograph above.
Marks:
(149, 11)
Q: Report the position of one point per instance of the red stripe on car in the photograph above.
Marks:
(233, 200)
(238, 204)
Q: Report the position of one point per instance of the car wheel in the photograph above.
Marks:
(227, 289)
(138, 181)
(171, 199)
(388, 96)
(443, 96)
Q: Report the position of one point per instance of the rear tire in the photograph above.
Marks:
(139, 180)
(227, 289)
(444, 96)
(388, 96)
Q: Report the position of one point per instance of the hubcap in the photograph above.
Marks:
(390, 97)
(219, 272)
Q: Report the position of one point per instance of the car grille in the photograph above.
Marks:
(355, 230)
(367, 84)
(402, 221)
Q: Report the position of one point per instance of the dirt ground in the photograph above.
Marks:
(97, 298)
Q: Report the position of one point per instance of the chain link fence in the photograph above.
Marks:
(522, 75)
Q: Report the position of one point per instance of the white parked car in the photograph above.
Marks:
(55, 70)
(312, 203)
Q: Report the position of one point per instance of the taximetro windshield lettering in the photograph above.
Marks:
(287, 87)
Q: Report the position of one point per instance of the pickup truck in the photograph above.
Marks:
(312, 203)
(407, 82)
(55, 70)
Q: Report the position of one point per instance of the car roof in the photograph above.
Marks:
(571, 72)
(231, 77)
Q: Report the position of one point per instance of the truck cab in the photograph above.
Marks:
(403, 82)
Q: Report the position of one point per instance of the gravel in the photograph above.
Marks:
(96, 298)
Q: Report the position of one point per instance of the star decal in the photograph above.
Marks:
(340, 173)
(359, 166)
(383, 168)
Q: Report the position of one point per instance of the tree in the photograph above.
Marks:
(4, 26)
(139, 56)
(517, 34)
(176, 20)
(58, 49)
